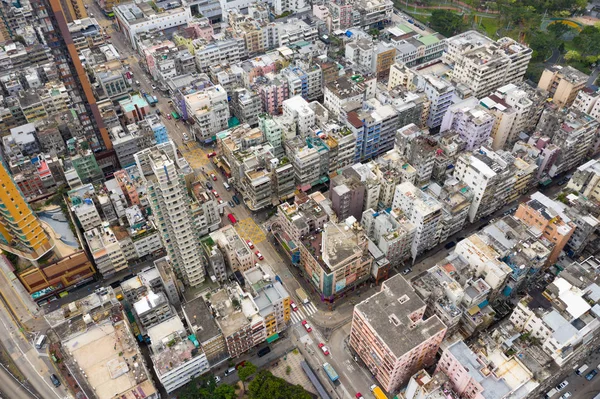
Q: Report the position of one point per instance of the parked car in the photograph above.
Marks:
(55, 380)
(293, 306)
(217, 379)
(208, 185)
(451, 244)
(406, 271)
(250, 244)
(562, 385)
(566, 395)
(153, 87)
(358, 395)
(211, 154)
(185, 137)
(215, 193)
(590, 376)
(235, 199)
(213, 176)
(169, 116)
(307, 326)
(259, 255)
(324, 349)
(231, 204)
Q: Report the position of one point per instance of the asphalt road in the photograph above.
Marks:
(10, 388)
(578, 386)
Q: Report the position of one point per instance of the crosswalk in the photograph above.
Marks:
(303, 312)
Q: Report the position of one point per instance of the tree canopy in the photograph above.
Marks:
(266, 386)
(246, 371)
(446, 22)
(205, 387)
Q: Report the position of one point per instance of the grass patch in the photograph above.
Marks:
(10, 365)
(490, 25)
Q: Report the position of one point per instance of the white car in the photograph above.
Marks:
(153, 87)
(185, 136)
(566, 395)
(217, 379)
(562, 385)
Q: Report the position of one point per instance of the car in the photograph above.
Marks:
(406, 271)
(562, 182)
(562, 385)
(221, 202)
(217, 379)
(324, 349)
(450, 245)
(358, 395)
(213, 176)
(250, 244)
(209, 186)
(211, 154)
(259, 255)
(185, 136)
(590, 376)
(215, 193)
(55, 380)
(153, 87)
(566, 395)
(293, 306)
(231, 204)
(235, 199)
(169, 117)
(158, 112)
(307, 326)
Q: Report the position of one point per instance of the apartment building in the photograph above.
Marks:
(105, 250)
(271, 298)
(490, 178)
(553, 322)
(440, 93)
(297, 109)
(549, 218)
(299, 219)
(273, 90)
(484, 65)
(586, 180)
(238, 318)
(304, 79)
(390, 335)
(347, 195)
(246, 106)
(310, 159)
(170, 206)
(209, 108)
(336, 258)
(563, 83)
(392, 232)
(423, 211)
(176, 355)
(235, 250)
(373, 124)
(21, 232)
(455, 198)
(202, 324)
(344, 90)
(373, 12)
(152, 309)
(226, 50)
(587, 102)
(472, 121)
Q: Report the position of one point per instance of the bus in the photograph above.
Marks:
(232, 218)
(39, 342)
(333, 376)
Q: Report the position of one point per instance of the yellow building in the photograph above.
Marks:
(74, 9)
(563, 83)
(20, 231)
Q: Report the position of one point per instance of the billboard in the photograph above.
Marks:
(340, 284)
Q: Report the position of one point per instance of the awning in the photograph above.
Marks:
(272, 338)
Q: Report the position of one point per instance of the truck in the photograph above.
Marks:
(377, 392)
(302, 295)
(152, 100)
(333, 376)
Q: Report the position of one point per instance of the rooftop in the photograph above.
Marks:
(395, 304)
(201, 319)
(171, 347)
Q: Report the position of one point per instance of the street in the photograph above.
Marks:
(578, 385)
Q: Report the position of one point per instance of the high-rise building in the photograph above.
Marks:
(20, 230)
(471, 121)
(563, 83)
(390, 335)
(171, 208)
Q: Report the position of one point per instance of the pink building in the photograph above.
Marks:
(390, 335)
(202, 28)
(128, 187)
(469, 375)
(272, 95)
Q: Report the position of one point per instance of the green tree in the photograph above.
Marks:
(541, 44)
(225, 391)
(246, 371)
(572, 55)
(446, 22)
(588, 41)
(266, 386)
(558, 29)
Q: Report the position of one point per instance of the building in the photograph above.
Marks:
(105, 250)
(586, 180)
(209, 109)
(152, 309)
(563, 83)
(392, 232)
(484, 65)
(246, 106)
(423, 211)
(587, 102)
(390, 335)
(374, 126)
(202, 324)
(440, 93)
(336, 258)
(21, 232)
(344, 90)
(549, 218)
(472, 122)
(235, 250)
(238, 319)
(297, 109)
(347, 195)
(95, 334)
(490, 178)
(176, 355)
(136, 18)
(170, 206)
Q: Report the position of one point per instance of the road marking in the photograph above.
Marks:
(249, 230)
(310, 308)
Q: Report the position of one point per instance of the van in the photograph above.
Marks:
(227, 187)
(263, 351)
(55, 380)
(231, 370)
(40, 341)
(551, 393)
(581, 369)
